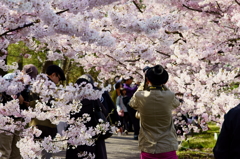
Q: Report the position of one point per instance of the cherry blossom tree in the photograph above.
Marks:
(197, 41)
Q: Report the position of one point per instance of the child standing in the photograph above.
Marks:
(122, 109)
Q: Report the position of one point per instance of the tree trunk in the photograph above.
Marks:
(20, 63)
(45, 66)
(66, 68)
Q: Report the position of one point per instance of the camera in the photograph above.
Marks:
(145, 69)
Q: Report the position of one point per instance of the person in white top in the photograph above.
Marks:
(122, 110)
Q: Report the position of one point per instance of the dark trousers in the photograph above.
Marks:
(46, 131)
(134, 120)
(125, 121)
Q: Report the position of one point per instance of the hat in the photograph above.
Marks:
(127, 78)
(81, 80)
(157, 75)
(56, 69)
(88, 77)
(30, 70)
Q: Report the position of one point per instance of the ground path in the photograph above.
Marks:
(122, 147)
(118, 147)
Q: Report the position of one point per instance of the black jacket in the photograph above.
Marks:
(228, 143)
(112, 114)
(99, 149)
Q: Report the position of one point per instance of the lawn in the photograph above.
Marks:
(199, 146)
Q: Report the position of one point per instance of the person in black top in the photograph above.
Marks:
(8, 142)
(27, 95)
(107, 102)
(228, 142)
(55, 74)
(99, 148)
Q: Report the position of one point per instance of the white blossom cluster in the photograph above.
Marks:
(64, 100)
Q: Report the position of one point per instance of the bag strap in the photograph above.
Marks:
(155, 88)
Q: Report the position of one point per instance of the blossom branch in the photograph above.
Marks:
(137, 6)
(162, 53)
(237, 76)
(199, 10)
(60, 12)
(29, 24)
(9, 132)
(193, 9)
(132, 60)
(237, 2)
(21, 27)
(122, 64)
(174, 32)
(234, 39)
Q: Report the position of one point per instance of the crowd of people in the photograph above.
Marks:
(8, 142)
(124, 90)
(55, 74)
(143, 108)
(8, 148)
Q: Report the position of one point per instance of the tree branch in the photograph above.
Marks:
(237, 2)
(162, 53)
(60, 12)
(238, 75)
(199, 10)
(122, 64)
(234, 39)
(219, 6)
(21, 27)
(29, 24)
(137, 6)
(9, 132)
(174, 32)
(179, 40)
(132, 60)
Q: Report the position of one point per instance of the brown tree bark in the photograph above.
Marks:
(46, 64)
(66, 69)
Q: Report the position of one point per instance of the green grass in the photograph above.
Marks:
(199, 145)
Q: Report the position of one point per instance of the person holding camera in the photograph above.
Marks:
(157, 137)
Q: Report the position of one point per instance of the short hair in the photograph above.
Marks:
(121, 90)
(118, 85)
(30, 70)
(56, 69)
